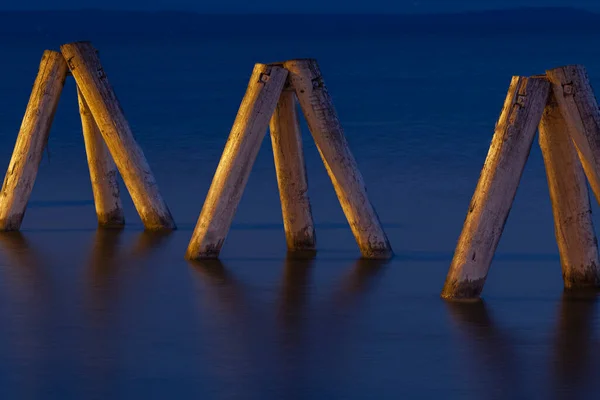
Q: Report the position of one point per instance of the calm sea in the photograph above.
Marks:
(90, 314)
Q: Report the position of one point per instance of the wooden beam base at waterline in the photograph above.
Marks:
(103, 171)
(32, 139)
(573, 224)
(291, 175)
(577, 103)
(241, 149)
(305, 77)
(497, 187)
(87, 70)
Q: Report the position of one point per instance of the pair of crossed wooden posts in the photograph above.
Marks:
(110, 145)
(562, 106)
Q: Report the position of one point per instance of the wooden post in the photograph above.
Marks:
(241, 149)
(291, 175)
(573, 224)
(347, 180)
(497, 187)
(127, 154)
(578, 105)
(103, 171)
(32, 139)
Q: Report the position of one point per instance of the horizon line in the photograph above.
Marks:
(324, 13)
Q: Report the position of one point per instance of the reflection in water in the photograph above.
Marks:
(292, 337)
(359, 280)
(101, 292)
(573, 345)
(571, 368)
(245, 343)
(293, 298)
(228, 315)
(147, 242)
(105, 268)
(492, 350)
(29, 297)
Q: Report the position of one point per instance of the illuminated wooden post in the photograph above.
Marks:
(127, 154)
(347, 180)
(291, 175)
(241, 149)
(31, 141)
(577, 103)
(497, 187)
(573, 224)
(103, 171)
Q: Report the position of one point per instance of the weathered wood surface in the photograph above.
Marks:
(323, 122)
(103, 171)
(32, 139)
(573, 224)
(497, 187)
(576, 100)
(241, 149)
(127, 154)
(291, 175)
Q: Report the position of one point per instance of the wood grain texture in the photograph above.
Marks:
(85, 65)
(103, 171)
(576, 100)
(31, 140)
(497, 187)
(573, 224)
(291, 175)
(323, 122)
(241, 149)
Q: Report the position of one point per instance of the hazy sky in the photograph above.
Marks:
(340, 6)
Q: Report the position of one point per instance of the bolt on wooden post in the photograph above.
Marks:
(577, 103)
(305, 77)
(573, 224)
(103, 171)
(241, 149)
(32, 139)
(291, 175)
(497, 187)
(87, 70)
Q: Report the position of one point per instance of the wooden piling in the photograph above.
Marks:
(573, 224)
(577, 103)
(103, 171)
(497, 187)
(241, 149)
(127, 154)
(32, 139)
(323, 122)
(291, 175)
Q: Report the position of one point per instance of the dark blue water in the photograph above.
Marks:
(88, 314)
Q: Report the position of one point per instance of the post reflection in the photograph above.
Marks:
(147, 242)
(291, 332)
(100, 358)
(293, 296)
(28, 292)
(359, 280)
(242, 331)
(228, 317)
(572, 367)
(495, 367)
(107, 273)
